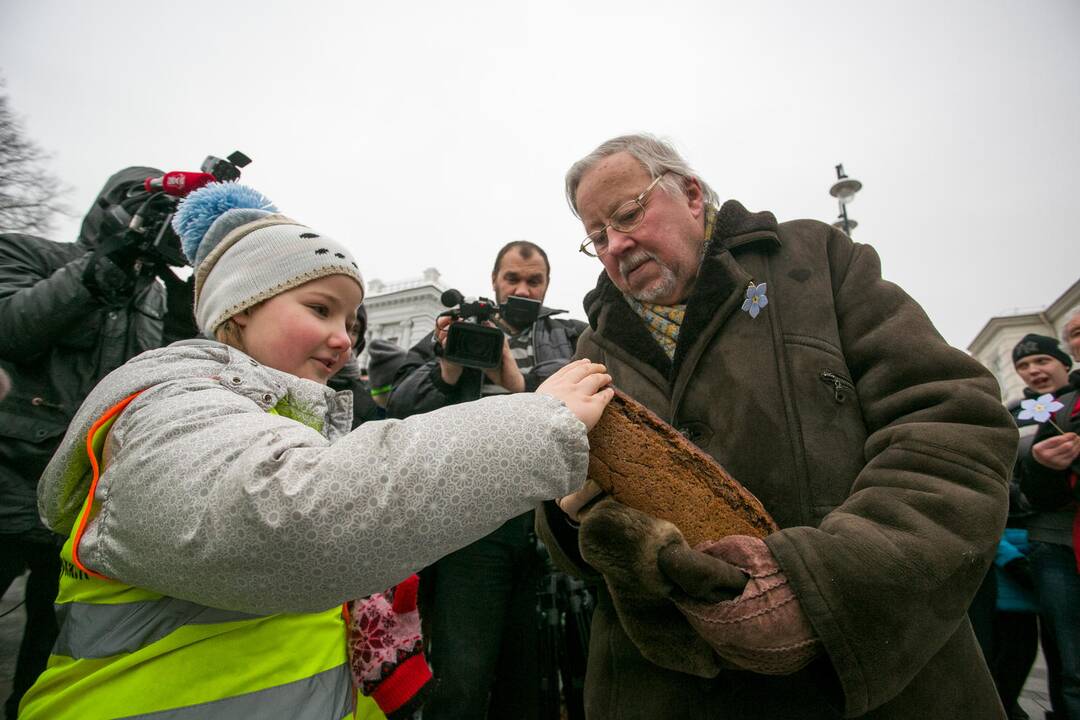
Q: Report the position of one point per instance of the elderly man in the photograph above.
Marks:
(880, 451)
(1049, 480)
(1071, 333)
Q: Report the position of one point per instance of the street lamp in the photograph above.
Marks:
(844, 190)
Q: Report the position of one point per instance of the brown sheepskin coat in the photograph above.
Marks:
(881, 451)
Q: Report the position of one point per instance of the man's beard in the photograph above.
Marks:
(660, 287)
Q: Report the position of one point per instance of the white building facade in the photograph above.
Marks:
(994, 344)
(403, 312)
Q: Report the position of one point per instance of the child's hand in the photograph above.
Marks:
(582, 386)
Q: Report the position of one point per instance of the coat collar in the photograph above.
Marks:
(735, 229)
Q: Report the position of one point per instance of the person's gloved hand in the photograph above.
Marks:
(625, 546)
(110, 275)
(764, 629)
(386, 651)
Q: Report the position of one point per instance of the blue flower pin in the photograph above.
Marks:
(755, 299)
(1040, 409)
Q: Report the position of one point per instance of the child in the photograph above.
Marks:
(219, 511)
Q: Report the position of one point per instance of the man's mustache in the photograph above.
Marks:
(628, 263)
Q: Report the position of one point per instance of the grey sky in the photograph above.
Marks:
(431, 133)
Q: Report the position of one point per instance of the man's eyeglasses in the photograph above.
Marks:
(626, 218)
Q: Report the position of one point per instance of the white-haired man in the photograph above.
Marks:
(880, 451)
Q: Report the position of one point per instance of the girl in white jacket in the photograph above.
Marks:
(220, 477)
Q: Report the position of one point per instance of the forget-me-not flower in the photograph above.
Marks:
(1039, 409)
(755, 299)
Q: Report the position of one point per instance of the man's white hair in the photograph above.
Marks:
(1069, 317)
(655, 155)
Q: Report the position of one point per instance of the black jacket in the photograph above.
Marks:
(56, 342)
(1051, 490)
(419, 387)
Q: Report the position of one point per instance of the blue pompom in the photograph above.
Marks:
(201, 208)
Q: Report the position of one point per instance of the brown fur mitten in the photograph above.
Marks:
(623, 544)
(764, 629)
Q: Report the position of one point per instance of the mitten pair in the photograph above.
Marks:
(725, 604)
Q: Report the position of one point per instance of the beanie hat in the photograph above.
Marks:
(385, 359)
(244, 252)
(1032, 344)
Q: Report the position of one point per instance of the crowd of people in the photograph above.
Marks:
(213, 528)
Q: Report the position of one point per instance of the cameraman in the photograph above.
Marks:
(69, 314)
(480, 602)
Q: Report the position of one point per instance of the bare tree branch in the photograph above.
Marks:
(29, 194)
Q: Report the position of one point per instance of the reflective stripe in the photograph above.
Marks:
(95, 446)
(98, 631)
(325, 696)
(125, 651)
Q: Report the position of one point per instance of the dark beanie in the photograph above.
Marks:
(384, 360)
(1032, 344)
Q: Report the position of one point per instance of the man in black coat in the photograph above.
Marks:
(70, 313)
(480, 604)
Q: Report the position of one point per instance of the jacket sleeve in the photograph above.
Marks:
(208, 498)
(1045, 488)
(37, 303)
(418, 385)
(553, 526)
(887, 577)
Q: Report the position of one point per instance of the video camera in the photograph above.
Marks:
(141, 224)
(473, 344)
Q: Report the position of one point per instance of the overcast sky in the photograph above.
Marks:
(429, 134)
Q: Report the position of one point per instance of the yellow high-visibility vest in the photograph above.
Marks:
(128, 652)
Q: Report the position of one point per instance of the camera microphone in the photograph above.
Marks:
(178, 183)
(451, 298)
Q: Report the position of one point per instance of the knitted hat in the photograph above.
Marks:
(244, 252)
(1032, 344)
(385, 359)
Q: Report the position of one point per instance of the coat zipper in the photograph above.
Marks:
(839, 384)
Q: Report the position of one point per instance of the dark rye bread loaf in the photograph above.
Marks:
(645, 463)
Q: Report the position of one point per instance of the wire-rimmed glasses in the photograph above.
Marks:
(626, 218)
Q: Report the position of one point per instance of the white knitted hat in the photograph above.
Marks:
(244, 252)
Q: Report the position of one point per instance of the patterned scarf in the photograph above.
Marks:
(665, 321)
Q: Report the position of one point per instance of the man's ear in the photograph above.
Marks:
(695, 198)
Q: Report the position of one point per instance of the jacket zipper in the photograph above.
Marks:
(839, 384)
(39, 401)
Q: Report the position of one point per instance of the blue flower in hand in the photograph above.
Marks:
(755, 299)
(1039, 409)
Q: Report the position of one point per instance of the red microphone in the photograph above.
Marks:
(178, 182)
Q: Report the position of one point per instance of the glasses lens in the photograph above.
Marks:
(628, 216)
(599, 242)
(587, 247)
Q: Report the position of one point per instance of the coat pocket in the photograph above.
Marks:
(841, 386)
(830, 420)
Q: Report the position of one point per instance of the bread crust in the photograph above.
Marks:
(645, 463)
